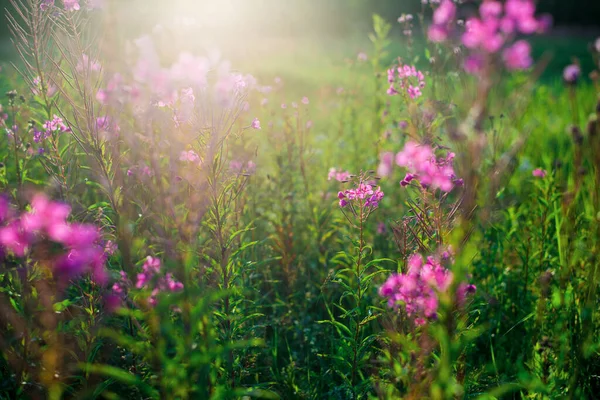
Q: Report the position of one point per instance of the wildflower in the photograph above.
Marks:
(385, 164)
(189, 156)
(539, 173)
(518, 56)
(71, 5)
(46, 4)
(305, 100)
(437, 33)
(150, 268)
(422, 164)
(444, 13)
(338, 175)
(473, 64)
(362, 56)
(381, 229)
(417, 290)
(110, 247)
(250, 167)
(571, 74)
(365, 194)
(86, 63)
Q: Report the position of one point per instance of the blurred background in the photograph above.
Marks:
(262, 36)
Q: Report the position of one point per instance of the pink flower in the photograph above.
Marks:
(305, 100)
(362, 56)
(365, 195)
(255, 124)
(71, 5)
(437, 33)
(86, 63)
(422, 165)
(539, 173)
(385, 164)
(473, 64)
(445, 13)
(338, 175)
(417, 290)
(571, 74)
(189, 156)
(46, 4)
(518, 56)
(490, 9)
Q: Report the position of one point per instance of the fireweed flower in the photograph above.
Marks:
(37, 88)
(406, 78)
(340, 176)
(189, 156)
(71, 5)
(305, 100)
(571, 74)
(150, 269)
(364, 195)
(47, 221)
(518, 56)
(255, 124)
(422, 165)
(417, 290)
(86, 63)
(46, 4)
(443, 16)
(385, 164)
(492, 31)
(539, 173)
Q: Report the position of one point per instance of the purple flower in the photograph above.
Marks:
(46, 4)
(518, 56)
(539, 173)
(571, 74)
(71, 5)
(255, 124)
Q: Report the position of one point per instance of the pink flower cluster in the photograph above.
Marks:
(190, 156)
(340, 176)
(492, 31)
(407, 78)
(47, 222)
(37, 87)
(163, 85)
(418, 289)
(55, 125)
(238, 167)
(422, 165)
(365, 194)
(150, 270)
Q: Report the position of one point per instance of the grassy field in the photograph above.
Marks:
(306, 233)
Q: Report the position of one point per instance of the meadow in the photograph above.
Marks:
(408, 213)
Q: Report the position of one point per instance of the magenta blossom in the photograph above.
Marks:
(190, 156)
(518, 56)
(364, 195)
(408, 79)
(340, 176)
(255, 124)
(539, 173)
(422, 165)
(571, 74)
(71, 5)
(417, 290)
